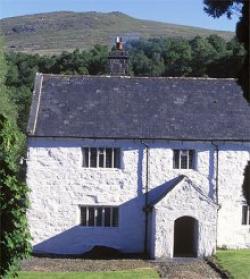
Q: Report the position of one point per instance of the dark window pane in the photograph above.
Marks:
(117, 158)
(99, 217)
(101, 158)
(184, 159)
(93, 155)
(115, 217)
(107, 217)
(108, 158)
(85, 157)
(176, 159)
(244, 215)
(191, 161)
(83, 216)
(91, 216)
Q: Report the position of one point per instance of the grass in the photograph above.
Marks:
(236, 262)
(126, 274)
(53, 32)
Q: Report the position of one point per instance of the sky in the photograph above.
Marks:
(185, 12)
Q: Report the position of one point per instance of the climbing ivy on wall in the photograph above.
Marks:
(14, 234)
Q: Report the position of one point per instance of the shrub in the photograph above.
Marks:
(14, 241)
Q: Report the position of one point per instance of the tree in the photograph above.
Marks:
(202, 54)
(178, 57)
(217, 8)
(141, 64)
(14, 235)
(21, 96)
(14, 244)
(228, 61)
(98, 60)
(6, 107)
(218, 43)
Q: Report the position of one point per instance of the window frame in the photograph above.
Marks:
(115, 159)
(190, 157)
(245, 220)
(113, 223)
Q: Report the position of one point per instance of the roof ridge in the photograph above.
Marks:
(138, 77)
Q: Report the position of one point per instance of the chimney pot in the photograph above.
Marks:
(119, 43)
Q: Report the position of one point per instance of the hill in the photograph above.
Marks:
(54, 32)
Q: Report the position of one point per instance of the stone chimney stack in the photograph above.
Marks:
(118, 60)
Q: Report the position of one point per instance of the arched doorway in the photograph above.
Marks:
(185, 237)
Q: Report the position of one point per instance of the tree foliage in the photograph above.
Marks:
(203, 54)
(14, 235)
(14, 244)
(180, 57)
(7, 107)
(217, 8)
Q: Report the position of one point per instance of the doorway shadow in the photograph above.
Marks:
(185, 237)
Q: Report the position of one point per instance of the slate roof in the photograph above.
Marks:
(138, 107)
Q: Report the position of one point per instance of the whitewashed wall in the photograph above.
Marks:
(231, 232)
(185, 199)
(60, 185)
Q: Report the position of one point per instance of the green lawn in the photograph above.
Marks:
(236, 262)
(126, 274)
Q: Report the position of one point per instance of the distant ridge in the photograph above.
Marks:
(54, 32)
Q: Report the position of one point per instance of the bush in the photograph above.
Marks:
(14, 241)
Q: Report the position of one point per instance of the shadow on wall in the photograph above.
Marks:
(211, 174)
(246, 183)
(159, 192)
(127, 238)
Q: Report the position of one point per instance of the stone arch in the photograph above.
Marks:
(186, 237)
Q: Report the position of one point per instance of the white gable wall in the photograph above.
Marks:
(184, 200)
(60, 185)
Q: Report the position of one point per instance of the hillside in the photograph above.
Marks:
(54, 32)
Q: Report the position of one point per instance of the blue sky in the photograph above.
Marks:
(186, 12)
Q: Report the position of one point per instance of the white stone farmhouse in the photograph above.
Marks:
(139, 164)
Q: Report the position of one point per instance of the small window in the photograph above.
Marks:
(99, 216)
(101, 157)
(245, 215)
(183, 159)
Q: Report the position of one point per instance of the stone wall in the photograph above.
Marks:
(185, 200)
(233, 159)
(60, 185)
